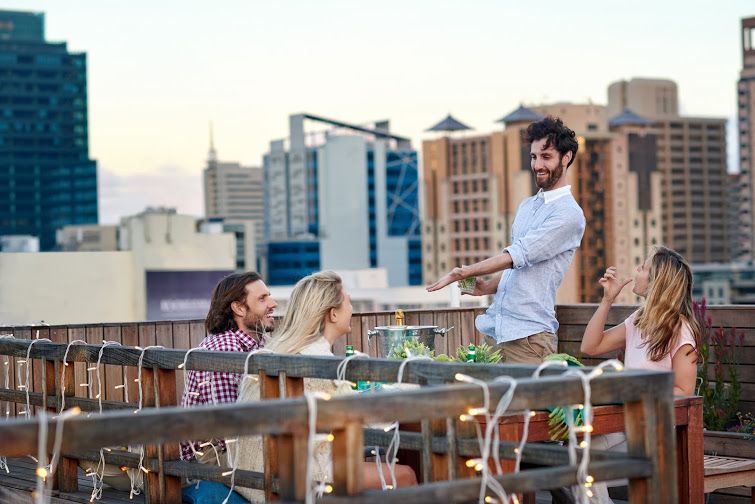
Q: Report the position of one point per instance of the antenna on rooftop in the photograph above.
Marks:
(212, 155)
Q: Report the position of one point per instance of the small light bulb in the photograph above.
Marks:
(473, 411)
(589, 479)
(471, 462)
(583, 444)
(328, 488)
(42, 472)
(331, 437)
(589, 493)
(458, 377)
(478, 467)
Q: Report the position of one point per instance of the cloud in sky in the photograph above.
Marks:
(168, 186)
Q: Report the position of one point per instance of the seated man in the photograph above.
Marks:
(241, 312)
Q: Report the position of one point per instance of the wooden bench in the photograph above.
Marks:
(726, 472)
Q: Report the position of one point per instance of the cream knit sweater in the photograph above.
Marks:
(250, 455)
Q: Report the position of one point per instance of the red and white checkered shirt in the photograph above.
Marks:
(211, 387)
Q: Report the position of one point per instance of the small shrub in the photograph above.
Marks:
(720, 399)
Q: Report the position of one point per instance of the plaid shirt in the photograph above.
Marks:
(211, 387)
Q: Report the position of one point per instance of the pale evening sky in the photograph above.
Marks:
(160, 70)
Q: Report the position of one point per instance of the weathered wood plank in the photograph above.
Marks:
(285, 415)
(348, 454)
(468, 489)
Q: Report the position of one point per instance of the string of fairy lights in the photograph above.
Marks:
(490, 439)
(490, 489)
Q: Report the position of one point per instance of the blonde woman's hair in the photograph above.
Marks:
(311, 300)
(668, 304)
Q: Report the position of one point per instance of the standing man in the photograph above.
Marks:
(547, 230)
(241, 312)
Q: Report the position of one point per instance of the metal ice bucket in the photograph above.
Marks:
(394, 336)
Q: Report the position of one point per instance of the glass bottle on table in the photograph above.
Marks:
(471, 353)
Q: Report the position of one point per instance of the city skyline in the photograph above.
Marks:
(171, 68)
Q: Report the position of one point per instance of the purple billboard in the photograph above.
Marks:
(175, 295)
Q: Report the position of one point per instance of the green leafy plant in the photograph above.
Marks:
(483, 354)
(719, 347)
(411, 346)
(557, 426)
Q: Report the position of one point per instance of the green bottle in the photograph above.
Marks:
(349, 353)
(471, 353)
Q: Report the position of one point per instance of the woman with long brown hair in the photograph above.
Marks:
(663, 334)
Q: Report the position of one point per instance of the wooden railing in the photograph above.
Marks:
(184, 334)
(648, 406)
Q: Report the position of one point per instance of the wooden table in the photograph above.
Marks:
(606, 419)
(688, 412)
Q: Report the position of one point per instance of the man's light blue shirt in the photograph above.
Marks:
(547, 230)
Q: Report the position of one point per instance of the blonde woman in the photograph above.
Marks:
(662, 334)
(319, 313)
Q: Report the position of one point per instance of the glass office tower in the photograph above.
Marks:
(46, 177)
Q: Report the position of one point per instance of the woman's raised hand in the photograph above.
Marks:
(611, 285)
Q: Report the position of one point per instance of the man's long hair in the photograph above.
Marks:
(557, 134)
(229, 289)
(668, 304)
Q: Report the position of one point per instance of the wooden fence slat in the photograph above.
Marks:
(348, 455)
(113, 375)
(130, 337)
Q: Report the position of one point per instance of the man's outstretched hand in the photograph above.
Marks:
(454, 276)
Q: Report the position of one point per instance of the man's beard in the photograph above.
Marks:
(553, 177)
(255, 323)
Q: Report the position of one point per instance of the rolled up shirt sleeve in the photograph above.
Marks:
(561, 232)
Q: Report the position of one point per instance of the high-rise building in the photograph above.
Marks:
(47, 179)
(691, 156)
(342, 198)
(743, 190)
(233, 192)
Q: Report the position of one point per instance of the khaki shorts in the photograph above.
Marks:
(529, 350)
